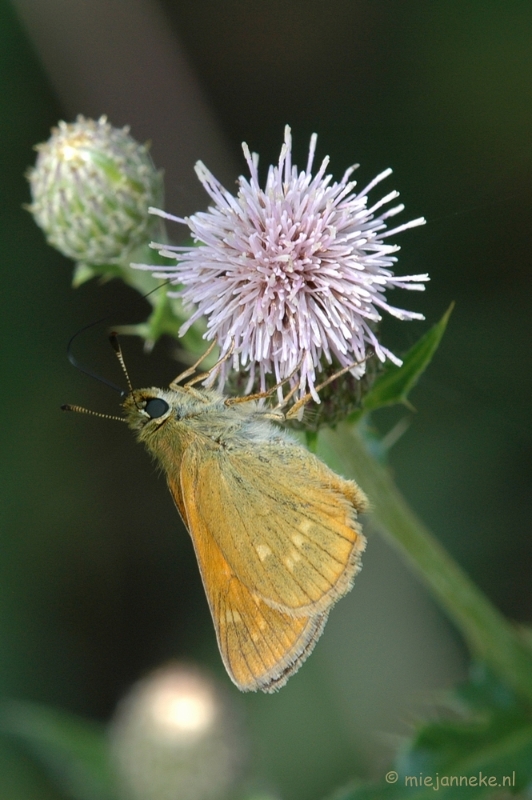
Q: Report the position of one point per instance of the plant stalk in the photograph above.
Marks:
(488, 634)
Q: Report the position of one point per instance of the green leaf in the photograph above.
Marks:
(488, 744)
(395, 384)
(82, 273)
(492, 737)
(71, 749)
(168, 317)
(162, 320)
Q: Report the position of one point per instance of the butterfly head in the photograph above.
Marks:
(146, 409)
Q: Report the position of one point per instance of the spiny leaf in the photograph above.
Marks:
(485, 748)
(395, 384)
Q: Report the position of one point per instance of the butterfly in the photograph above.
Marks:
(275, 531)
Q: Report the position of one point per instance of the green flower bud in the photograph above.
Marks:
(176, 735)
(91, 187)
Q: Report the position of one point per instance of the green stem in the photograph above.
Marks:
(488, 634)
(142, 280)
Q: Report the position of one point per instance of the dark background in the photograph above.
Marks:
(97, 582)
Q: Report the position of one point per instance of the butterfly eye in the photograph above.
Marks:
(156, 407)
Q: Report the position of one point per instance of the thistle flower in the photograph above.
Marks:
(91, 187)
(293, 274)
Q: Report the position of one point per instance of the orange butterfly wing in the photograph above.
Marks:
(283, 521)
(261, 647)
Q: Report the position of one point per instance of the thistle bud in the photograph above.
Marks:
(91, 188)
(176, 735)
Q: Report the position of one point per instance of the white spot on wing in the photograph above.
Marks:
(263, 551)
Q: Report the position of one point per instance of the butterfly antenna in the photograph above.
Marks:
(81, 410)
(82, 368)
(113, 338)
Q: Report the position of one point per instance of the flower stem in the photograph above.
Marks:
(487, 632)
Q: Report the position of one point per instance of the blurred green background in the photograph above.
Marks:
(98, 582)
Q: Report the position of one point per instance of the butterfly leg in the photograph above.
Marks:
(231, 401)
(191, 370)
(296, 408)
(204, 375)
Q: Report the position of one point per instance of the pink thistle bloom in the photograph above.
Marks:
(295, 273)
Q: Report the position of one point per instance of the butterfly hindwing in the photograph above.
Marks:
(285, 524)
(260, 646)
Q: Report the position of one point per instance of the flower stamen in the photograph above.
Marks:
(295, 273)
